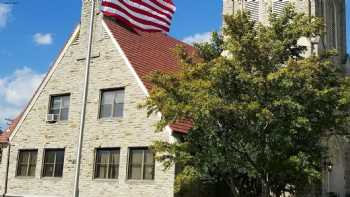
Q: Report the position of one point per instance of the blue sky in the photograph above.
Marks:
(33, 32)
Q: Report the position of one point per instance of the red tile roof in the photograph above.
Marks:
(4, 137)
(150, 52)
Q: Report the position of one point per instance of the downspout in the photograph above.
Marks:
(7, 170)
(76, 190)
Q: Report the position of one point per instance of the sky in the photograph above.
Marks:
(33, 32)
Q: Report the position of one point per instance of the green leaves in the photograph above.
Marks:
(259, 111)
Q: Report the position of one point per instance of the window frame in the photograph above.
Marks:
(102, 91)
(28, 162)
(129, 164)
(55, 163)
(60, 109)
(108, 165)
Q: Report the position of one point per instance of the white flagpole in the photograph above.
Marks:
(83, 108)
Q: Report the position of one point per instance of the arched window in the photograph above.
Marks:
(278, 6)
(253, 7)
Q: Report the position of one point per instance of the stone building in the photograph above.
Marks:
(333, 12)
(39, 150)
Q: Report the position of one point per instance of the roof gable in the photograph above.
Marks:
(146, 52)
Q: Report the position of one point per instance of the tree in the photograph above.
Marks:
(260, 112)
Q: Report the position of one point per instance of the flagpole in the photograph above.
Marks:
(83, 108)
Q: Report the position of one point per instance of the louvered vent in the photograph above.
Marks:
(252, 6)
(105, 34)
(76, 40)
(278, 6)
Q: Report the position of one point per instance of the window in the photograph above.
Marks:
(141, 164)
(107, 163)
(112, 103)
(59, 106)
(53, 163)
(27, 162)
(253, 8)
(278, 6)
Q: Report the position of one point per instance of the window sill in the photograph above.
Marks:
(25, 177)
(51, 178)
(106, 180)
(116, 119)
(139, 182)
(60, 122)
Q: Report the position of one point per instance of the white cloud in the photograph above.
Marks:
(5, 11)
(15, 91)
(198, 38)
(43, 39)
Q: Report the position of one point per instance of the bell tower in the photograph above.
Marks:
(332, 11)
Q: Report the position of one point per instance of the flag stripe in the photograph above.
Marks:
(137, 16)
(147, 15)
(142, 24)
(156, 7)
(144, 10)
(132, 23)
(163, 5)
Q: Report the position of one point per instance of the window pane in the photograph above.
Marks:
(22, 170)
(106, 110)
(33, 156)
(101, 171)
(113, 171)
(107, 97)
(149, 157)
(135, 172)
(54, 111)
(118, 110)
(31, 171)
(148, 172)
(23, 157)
(102, 157)
(65, 102)
(58, 170)
(119, 97)
(64, 114)
(135, 169)
(59, 157)
(48, 170)
(49, 157)
(56, 102)
(115, 157)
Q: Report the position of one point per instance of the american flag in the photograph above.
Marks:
(146, 15)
